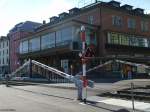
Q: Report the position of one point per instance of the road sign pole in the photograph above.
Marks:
(83, 64)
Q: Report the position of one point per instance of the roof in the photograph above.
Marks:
(27, 26)
(3, 38)
(93, 6)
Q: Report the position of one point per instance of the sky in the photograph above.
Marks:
(13, 12)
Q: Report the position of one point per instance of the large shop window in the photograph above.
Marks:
(128, 40)
(66, 34)
(63, 36)
(34, 44)
(48, 41)
(58, 37)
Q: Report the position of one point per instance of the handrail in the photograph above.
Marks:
(60, 73)
(21, 67)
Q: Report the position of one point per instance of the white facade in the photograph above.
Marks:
(4, 54)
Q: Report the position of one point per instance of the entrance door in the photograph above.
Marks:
(65, 66)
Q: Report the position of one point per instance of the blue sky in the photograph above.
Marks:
(15, 11)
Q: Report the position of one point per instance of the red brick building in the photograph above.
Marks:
(116, 31)
(15, 34)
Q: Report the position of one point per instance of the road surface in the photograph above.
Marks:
(46, 99)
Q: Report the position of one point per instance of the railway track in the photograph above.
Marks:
(140, 94)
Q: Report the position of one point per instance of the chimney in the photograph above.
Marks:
(44, 22)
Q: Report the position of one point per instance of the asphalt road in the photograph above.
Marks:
(46, 99)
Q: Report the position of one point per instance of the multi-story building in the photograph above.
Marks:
(15, 34)
(4, 55)
(114, 31)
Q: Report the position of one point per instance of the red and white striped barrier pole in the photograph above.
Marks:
(84, 91)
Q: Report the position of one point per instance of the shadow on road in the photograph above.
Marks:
(122, 110)
(45, 94)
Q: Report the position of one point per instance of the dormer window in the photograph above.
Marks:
(54, 18)
(139, 11)
(127, 7)
(63, 15)
(74, 11)
(114, 3)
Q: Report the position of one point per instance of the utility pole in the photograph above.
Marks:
(84, 64)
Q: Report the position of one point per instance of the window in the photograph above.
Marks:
(3, 52)
(7, 61)
(58, 36)
(7, 51)
(48, 40)
(124, 40)
(117, 21)
(133, 41)
(3, 44)
(131, 23)
(34, 44)
(91, 19)
(144, 26)
(66, 34)
(25, 46)
(3, 60)
(63, 35)
(142, 42)
(148, 42)
(7, 43)
(113, 38)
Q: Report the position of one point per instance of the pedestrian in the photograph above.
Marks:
(79, 85)
(129, 75)
(6, 78)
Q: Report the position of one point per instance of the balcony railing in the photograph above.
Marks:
(65, 44)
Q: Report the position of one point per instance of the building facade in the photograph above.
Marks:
(4, 55)
(15, 34)
(113, 30)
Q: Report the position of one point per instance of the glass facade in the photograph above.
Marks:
(63, 36)
(34, 44)
(128, 40)
(24, 46)
(48, 40)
